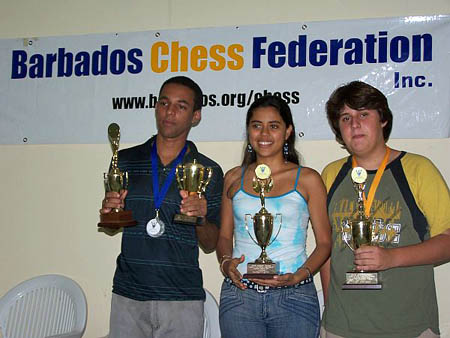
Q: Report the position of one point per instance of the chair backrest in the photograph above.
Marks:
(211, 313)
(321, 302)
(43, 306)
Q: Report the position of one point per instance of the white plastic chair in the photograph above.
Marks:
(321, 302)
(211, 313)
(44, 306)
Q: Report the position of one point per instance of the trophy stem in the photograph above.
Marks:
(263, 258)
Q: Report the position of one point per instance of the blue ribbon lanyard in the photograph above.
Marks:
(159, 194)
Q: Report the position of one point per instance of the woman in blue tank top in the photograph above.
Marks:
(286, 304)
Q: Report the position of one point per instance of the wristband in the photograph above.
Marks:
(223, 259)
(221, 265)
(307, 269)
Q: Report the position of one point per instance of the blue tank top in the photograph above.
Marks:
(289, 248)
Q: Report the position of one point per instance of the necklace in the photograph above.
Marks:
(156, 226)
(376, 181)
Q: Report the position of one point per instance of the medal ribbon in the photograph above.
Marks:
(161, 193)
(376, 181)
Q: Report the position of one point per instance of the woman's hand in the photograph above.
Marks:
(229, 267)
(287, 279)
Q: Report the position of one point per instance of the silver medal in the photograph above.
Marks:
(155, 227)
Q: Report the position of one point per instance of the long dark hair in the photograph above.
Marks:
(285, 112)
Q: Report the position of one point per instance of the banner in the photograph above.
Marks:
(68, 89)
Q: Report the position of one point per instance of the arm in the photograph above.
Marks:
(317, 205)
(208, 208)
(224, 248)
(433, 198)
(325, 278)
(207, 233)
(328, 177)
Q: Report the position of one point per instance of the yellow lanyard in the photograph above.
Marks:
(376, 181)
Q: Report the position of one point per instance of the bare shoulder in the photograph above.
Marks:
(233, 174)
(232, 180)
(310, 181)
(309, 174)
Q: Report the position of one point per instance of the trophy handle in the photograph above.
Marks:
(246, 228)
(180, 180)
(106, 182)
(203, 188)
(390, 233)
(125, 182)
(384, 234)
(345, 237)
(279, 228)
(375, 234)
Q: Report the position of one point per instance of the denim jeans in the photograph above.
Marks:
(283, 313)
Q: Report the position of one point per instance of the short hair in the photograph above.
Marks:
(358, 95)
(191, 84)
(285, 112)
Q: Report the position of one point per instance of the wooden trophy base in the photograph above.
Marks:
(261, 270)
(188, 220)
(117, 220)
(367, 280)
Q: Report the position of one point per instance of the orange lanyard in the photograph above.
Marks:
(376, 181)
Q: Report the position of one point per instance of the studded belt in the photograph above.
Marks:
(264, 288)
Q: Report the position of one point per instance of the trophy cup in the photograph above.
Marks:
(263, 221)
(116, 181)
(362, 233)
(192, 177)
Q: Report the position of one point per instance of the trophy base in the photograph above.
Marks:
(355, 280)
(117, 220)
(188, 220)
(261, 270)
(259, 275)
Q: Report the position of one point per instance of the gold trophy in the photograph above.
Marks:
(361, 233)
(192, 177)
(116, 181)
(263, 221)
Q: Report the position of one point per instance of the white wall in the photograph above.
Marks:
(51, 193)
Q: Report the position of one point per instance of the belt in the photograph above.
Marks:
(264, 288)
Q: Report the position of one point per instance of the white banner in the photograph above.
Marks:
(68, 89)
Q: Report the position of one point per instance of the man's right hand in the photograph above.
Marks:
(113, 200)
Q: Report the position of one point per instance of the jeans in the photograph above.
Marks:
(283, 313)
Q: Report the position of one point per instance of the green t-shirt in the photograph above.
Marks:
(413, 199)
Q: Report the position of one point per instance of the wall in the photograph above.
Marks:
(52, 193)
